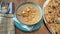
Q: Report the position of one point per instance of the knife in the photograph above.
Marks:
(10, 7)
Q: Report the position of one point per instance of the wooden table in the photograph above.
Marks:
(42, 29)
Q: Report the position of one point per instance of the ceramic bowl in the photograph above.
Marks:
(32, 27)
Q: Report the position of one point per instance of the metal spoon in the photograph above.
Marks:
(4, 7)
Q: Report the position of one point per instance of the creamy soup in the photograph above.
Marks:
(28, 14)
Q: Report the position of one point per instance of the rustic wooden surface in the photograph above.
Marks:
(42, 29)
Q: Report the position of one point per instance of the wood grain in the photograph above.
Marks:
(42, 29)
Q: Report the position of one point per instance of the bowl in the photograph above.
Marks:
(29, 27)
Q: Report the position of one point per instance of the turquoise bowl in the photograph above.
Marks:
(28, 28)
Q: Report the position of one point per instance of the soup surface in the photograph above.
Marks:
(28, 14)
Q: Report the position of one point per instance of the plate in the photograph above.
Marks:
(46, 23)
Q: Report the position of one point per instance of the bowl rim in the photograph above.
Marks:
(33, 3)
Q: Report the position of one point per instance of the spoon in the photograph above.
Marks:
(4, 7)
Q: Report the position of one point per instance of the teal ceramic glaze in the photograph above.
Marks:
(29, 28)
